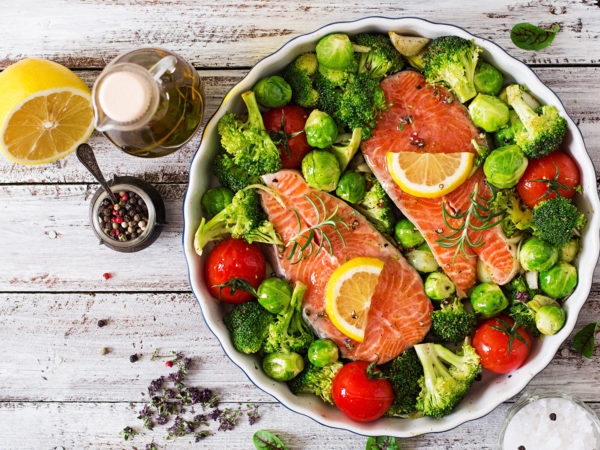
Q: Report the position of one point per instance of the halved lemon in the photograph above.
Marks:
(45, 111)
(348, 295)
(429, 174)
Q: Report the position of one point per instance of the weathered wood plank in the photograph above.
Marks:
(573, 85)
(54, 345)
(232, 34)
(97, 425)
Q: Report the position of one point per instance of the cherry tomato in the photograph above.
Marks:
(293, 134)
(359, 397)
(231, 259)
(531, 192)
(492, 342)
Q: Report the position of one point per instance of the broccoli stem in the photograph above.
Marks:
(254, 116)
(515, 99)
(448, 356)
(211, 230)
(432, 367)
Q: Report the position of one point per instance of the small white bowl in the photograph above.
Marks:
(492, 390)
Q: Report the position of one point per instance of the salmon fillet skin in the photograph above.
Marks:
(400, 312)
(444, 126)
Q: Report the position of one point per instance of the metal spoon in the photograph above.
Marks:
(85, 154)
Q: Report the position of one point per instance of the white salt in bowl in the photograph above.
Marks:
(493, 389)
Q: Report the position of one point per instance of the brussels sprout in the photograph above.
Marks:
(537, 255)
(487, 79)
(216, 199)
(352, 187)
(422, 259)
(559, 281)
(407, 234)
(335, 51)
(321, 170)
(549, 319)
(439, 286)
(273, 92)
(506, 135)
(322, 352)
(541, 300)
(482, 272)
(274, 294)
(505, 166)
(283, 366)
(488, 112)
(488, 299)
(568, 251)
(321, 130)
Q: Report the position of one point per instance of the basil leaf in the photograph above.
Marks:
(584, 340)
(529, 37)
(266, 439)
(382, 443)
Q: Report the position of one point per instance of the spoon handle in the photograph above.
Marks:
(85, 154)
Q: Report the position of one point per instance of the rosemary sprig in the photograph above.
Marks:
(303, 244)
(459, 238)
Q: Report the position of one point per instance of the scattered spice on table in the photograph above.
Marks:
(133, 358)
(104, 350)
(106, 275)
(171, 402)
(125, 220)
(101, 323)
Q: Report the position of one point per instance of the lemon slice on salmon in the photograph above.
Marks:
(429, 175)
(45, 111)
(348, 295)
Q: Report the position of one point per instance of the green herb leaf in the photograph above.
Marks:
(382, 443)
(529, 37)
(584, 340)
(236, 284)
(266, 439)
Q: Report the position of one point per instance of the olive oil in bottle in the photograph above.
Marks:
(148, 102)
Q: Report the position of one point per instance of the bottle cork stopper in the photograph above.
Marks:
(124, 96)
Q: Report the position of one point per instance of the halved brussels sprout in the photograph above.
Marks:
(335, 51)
(488, 299)
(322, 352)
(488, 112)
(505, 166)
(321, 170)
(422, 259)
(559, 281)
(274, 294)
(407, 234)
(537, 255)
(273, 92)
(439, 286)
(352, 187)
(321, 130)
(283, 366)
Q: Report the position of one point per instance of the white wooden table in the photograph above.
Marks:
(56, 389)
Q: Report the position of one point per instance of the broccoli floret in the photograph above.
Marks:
(346, 147)
(452, 323)
(524, 316)
(377, 206)
(316, 380)
(555, 219)
(517, 215)
(518, 291)
(447, 377)
(300, 75)
(452, 60)
(330, 95)
(248, 142)
(232, 176)
(544, 129)
(403, 373)
(382, 58)
(361, 103)
(289, 332)
(243, 218)
(248, 324)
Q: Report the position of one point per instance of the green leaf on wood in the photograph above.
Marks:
(265, 439)
(584, 340)
(382, 443)
(529, 37)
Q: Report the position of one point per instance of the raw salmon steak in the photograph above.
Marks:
(444, 126)
(400, 312)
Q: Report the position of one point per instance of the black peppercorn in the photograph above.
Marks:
(552, 416)
(101, 323)
(133, 358)
(521, 447)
